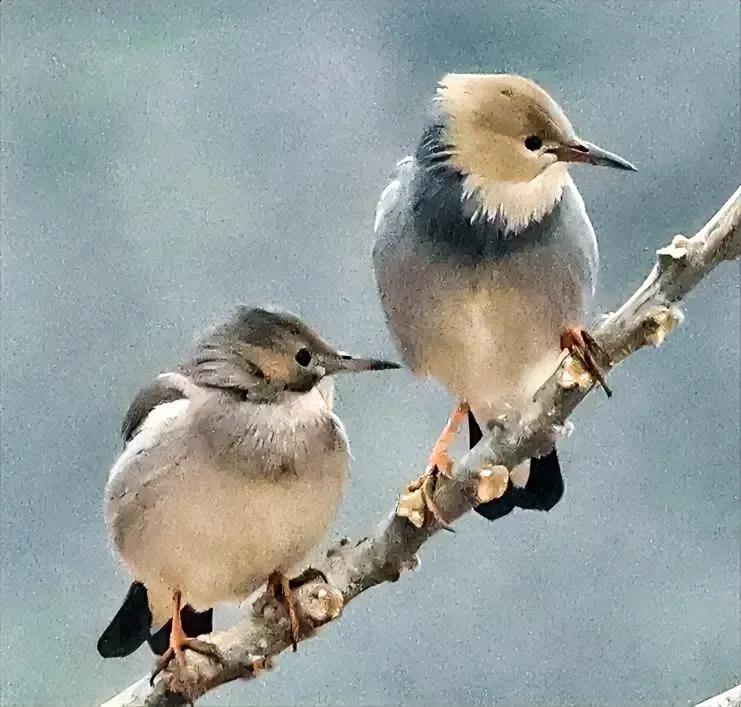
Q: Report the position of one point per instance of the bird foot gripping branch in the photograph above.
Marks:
(179, 642)
(280, 587)
(195, 675)
(418, 504)
(585, 354)
(309, 601)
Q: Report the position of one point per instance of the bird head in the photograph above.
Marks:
(264, 352)
(505, 128)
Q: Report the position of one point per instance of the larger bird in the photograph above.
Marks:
(233, 468)
(486, 260)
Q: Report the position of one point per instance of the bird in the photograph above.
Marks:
(232, 471)
(486, 261)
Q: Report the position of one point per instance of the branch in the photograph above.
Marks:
(729, 698)
(352, 568)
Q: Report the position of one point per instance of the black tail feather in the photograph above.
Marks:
(544, 487)
(129, 627)
(474, 431)
(195, 623)
(501, 506)
(132, 624)
(543, 490)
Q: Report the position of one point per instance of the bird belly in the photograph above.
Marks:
(216, 532)
(480, 310)
(489, 332)
(499, 346)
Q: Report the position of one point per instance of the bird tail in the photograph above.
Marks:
(543, 490)
(132, 625)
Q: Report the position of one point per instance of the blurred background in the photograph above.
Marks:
(164, 160)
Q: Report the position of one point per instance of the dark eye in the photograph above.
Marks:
(533, 142)
(303, 357)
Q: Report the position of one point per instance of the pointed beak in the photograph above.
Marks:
(344, 362)
(582, 151)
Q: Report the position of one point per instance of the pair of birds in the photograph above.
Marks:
(234, 463)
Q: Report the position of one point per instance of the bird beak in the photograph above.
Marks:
(582, 151)
(344, 362)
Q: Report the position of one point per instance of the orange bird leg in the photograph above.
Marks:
(582, 346)
(439, 458)
(283, 593)
(179, 642)
(439, 462)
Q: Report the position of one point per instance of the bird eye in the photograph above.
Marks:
(533, 142)
(303, 357)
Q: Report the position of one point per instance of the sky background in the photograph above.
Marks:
(162, 161)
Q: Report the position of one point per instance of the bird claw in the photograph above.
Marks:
(177, 651)
(585, 348)
(283, 594)
(439, 457)
(439, 464)
(428, 496)
(427, 511)
(179, 642)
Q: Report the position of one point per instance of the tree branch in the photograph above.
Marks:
(729, 698)
(353, 567)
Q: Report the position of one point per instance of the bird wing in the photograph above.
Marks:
(397, 266)
(393, 194)
(165, 388)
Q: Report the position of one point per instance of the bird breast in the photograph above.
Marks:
(224, 494)
(490, 333)
(481, 314)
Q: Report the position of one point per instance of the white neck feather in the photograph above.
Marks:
(518, 204)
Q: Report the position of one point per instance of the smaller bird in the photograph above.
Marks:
(233, 468)
(486, 260)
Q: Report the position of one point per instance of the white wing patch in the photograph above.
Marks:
(388, 197)
(592, 238)
(161, 419)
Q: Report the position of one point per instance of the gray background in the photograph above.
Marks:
(162, 161)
